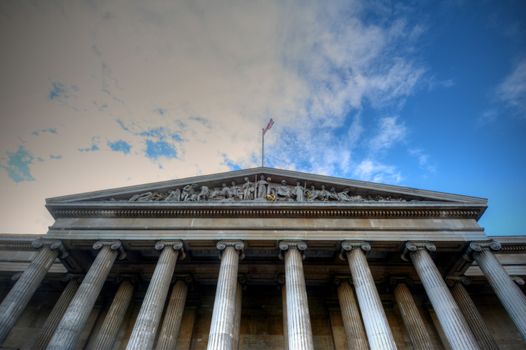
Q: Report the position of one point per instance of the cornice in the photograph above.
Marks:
(381, 210)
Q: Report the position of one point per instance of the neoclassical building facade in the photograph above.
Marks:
(263, 259)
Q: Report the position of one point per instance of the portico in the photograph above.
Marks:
(161, 264)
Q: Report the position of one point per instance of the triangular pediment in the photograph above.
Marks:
(262, 185)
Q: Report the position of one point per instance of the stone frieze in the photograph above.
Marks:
(263, 190)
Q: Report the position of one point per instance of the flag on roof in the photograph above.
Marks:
(269, 125)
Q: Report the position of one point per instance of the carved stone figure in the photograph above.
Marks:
(204, 194)
(225, 191)
(215, 193)
(261, 187)
(141, 197)
(235, 191)
(187, 192)
(333, 194)
(174, 196)
(283, 190)
(248, 189)
(357, 198)
(344, 196)
(299, 192)
(324, 195)
(260, 190)
(312, 194)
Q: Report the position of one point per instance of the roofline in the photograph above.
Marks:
(367, 185)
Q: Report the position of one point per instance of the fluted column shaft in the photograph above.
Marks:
(79, 309)
(298, 318)
(49, 327)
(147, 323)
(510, 295)
(237, 317)
(114, 317)
(284, 317)
(373, 314)
(172, 318)
(455, 327)
(474, 319)
(352, 321)
(18, 297)
(412, 319)
(221, 335)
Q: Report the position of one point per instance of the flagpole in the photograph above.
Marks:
(262, 147)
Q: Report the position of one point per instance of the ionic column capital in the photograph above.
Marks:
(451, 281)
(347, 246)
(350, 245)
(133, 279)
(114, 245)
(53, 244)
(478, 246)
(187, 278)
(284, 246)
(338, 280)
(237, 245)
(396, 280)
(411, 247)
(176, 245)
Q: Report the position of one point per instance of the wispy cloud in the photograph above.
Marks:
(390, 132)
(371, 170)
(508, 98)
(512, 90)
(423, 159)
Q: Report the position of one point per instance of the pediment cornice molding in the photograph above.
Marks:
(355, 189)
(267, 210)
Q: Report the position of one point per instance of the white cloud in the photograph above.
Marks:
(512, 90)
(217, 71)
(371, 170)
(390, 132)
(423, 159)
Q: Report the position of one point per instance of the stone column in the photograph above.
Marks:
(509, 294)
(145, 328)
(114, 317)
(18, 297)
(222, 327)
(184, 340)
(237, 317)
(352, 321)
(172, 318)
(49, 327)
(298, 318)
(373, 314)
(284, 312)
(455, 327)
(79, 309)
(479, 328)
(412, 318)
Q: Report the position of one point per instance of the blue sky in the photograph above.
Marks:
(101, 94)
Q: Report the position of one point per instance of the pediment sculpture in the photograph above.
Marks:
(261, 190)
